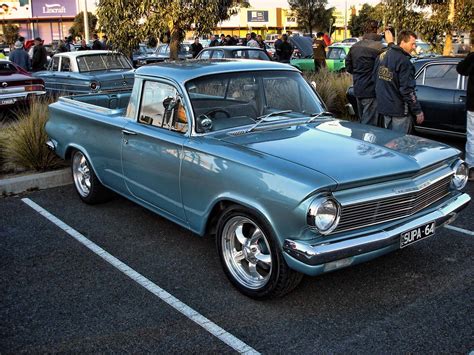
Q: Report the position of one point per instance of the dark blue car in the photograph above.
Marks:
(442, 95)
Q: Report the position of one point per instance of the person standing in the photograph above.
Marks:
(319, 52)
(83, 46)
(252, 42)
(277, 44)
(19, 56)
(360, 63)
(466, 68)
(394, 76)
(96, 45)
(214, 41)
(261, 43)
(284, 50)
(196, 47)
(40, 57)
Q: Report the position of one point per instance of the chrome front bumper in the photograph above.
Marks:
(326, 252)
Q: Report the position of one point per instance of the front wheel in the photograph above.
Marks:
(250, 256)
(87, 184)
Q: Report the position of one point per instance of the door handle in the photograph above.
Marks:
(128, 133)
(462, 98)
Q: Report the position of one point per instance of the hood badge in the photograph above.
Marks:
(413, 189)
(4, 84)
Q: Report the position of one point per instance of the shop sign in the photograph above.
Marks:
(257, 16)
(54, 8)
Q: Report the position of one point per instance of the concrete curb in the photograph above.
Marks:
(38, 181)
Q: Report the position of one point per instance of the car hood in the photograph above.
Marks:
(304, 44)
(348, 152)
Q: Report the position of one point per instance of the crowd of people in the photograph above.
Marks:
(36, 58)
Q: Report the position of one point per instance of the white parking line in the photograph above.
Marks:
(184, 309)
(460, 230)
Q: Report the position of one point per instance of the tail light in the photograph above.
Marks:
(37, 87)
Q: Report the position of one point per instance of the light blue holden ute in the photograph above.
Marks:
(245, 151)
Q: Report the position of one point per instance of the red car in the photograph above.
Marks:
(17, 86)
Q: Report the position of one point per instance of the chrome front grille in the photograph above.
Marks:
(372, 212)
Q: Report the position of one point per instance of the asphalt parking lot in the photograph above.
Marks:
(59, 296)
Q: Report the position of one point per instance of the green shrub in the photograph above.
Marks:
(332, 88)
(24, 140)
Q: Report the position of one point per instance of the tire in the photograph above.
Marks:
(251, 257)
(87, 185)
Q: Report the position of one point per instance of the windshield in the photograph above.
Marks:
(237, 99)
(98, 62)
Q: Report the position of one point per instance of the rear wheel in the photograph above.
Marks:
(87, 184)
(251, 257)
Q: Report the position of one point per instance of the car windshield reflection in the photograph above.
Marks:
(239, 99)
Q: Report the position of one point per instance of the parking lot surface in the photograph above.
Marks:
(59, 296)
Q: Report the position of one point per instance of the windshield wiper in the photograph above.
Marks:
(264, 118)
(314, 116)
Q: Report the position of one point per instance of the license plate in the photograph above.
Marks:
(417, 234)
(7, 101)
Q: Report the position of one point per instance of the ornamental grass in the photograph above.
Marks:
(332, 88)
(23, 140)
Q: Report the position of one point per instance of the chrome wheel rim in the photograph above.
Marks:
(246, 252)
(81, 174)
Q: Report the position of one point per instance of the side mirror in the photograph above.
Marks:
(169, 103)
(203, 124)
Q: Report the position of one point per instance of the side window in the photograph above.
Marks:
(159, 107)
(54, 65)
(217, 54)
(65, 65)
(205, 55)
(443, 76)
(133, 103)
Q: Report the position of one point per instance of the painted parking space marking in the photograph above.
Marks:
(460, 230)
(181, 307)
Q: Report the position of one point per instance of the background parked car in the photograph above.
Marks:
(17, 86)
(141, 52)
(86, 72)
(162, 53)
(336, 57)
(441, 92)
(238, 52)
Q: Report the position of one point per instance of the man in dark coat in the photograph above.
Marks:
(96, 44)
(466, 67)
(40, 57)
(319, 52)
(284, 50)
(196, 47)
(394, 76)
(360, 63)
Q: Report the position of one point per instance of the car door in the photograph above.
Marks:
(50, 76)
(63, 77)
(436, 85)
(152, 149)
(459, 105)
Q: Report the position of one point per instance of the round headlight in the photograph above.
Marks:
(461, 173)
(323, 213)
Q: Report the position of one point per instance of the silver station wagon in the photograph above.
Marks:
(244, 151)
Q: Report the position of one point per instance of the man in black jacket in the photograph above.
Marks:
(466, 67)
(394, 76)
(96, 44)
(360, 63)
(196, 47)
(40, 57)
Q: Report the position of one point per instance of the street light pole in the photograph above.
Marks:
(345, 19)
(86, 22)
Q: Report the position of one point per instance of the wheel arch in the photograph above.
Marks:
(68, 155)
(222, 204)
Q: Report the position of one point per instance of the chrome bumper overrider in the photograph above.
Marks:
(325, 252)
